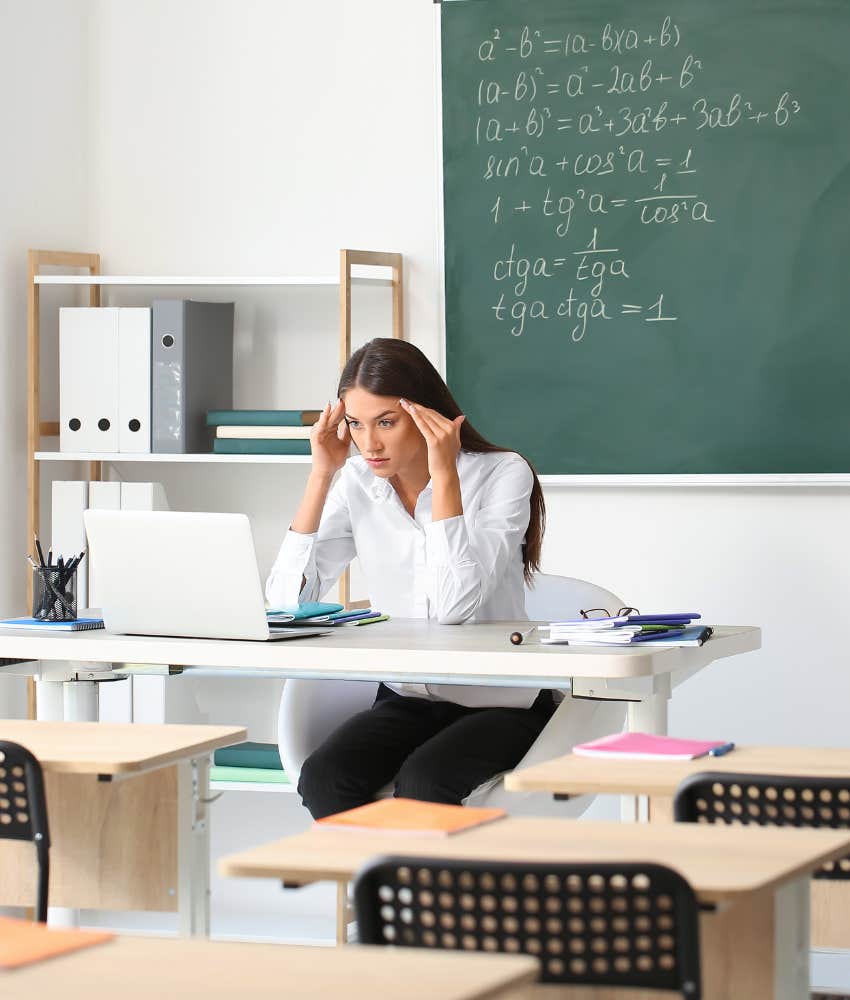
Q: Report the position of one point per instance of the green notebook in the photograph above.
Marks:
(260, 446)
(258, 775)
(263, 418)
(263, 755)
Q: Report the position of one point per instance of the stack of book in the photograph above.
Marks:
(254, 762)
(626, 630)
(262, 432)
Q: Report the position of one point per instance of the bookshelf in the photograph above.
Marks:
(356, 267)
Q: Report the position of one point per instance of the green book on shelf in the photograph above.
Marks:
(265, 755)
(262, 418)
(258, 775)
(260, 446)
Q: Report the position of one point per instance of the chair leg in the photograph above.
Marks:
(43, 883)
(342, 913)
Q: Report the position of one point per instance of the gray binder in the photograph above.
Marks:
(192, 372)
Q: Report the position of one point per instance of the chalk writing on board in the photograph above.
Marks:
(559, 123)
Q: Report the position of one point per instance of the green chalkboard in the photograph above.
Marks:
(647, 231)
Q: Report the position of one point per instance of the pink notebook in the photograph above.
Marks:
(644, 746)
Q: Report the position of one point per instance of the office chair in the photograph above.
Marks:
(310, 710)
(767, 800)
(23, 810)
(599, 924)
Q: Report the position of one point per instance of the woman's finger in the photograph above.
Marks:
(323, 417)
(435, 418)
(337, 413)
(416, 416)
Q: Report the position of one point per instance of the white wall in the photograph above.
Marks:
(44, 192)
(260, 137)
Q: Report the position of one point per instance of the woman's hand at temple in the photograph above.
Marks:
(330, 440)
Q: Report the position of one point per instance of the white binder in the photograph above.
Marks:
(67, 531)
(143, 496)
(134, 380)
(88, 379)
(102, 496)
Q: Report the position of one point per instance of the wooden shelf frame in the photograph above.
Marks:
(94, 279)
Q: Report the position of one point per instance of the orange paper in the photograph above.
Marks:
(22, 942)
(410, 816)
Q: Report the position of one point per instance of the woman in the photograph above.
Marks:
(446, 526)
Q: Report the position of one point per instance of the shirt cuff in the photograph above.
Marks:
(296, 548)
(447, 541)
(293, 562)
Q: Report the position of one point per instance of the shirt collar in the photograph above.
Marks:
(380, 490)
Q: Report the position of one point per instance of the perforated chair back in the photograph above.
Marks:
(593, 924)
(23, 810)
(768, 800)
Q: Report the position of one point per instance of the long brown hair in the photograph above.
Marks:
(389, 367)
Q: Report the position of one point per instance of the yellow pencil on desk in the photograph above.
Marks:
(369, 621)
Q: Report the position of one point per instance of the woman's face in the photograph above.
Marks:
(385, 435)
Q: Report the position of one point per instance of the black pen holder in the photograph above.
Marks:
(54, 594)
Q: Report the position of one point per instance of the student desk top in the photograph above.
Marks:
(413, 650)
(573, 774)
(128, 817)
(136, 968)
(755, 943)
(658, 779)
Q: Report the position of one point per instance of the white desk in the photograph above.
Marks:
(410, 650)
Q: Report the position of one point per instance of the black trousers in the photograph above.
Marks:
(434, 751)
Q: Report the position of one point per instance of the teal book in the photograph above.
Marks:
(260, 446)
(262, 418)
(264, 755)
(260, 775)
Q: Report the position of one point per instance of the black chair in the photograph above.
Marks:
(594, 924)
(768, 800)
(23, 810)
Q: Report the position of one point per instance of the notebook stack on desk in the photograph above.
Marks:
(626, 630)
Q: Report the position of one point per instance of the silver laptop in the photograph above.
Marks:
(180, 574)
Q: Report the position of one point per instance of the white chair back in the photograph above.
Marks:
(556, 598)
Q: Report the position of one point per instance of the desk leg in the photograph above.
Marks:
(649, 715)
(193, 847)
(81, 701)
(49, 700)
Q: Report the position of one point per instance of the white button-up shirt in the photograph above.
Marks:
(461, 569)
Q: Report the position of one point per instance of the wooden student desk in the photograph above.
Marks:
(142, 968)
(575, 775)
(128, 817)
(400, 650)
(755, 944)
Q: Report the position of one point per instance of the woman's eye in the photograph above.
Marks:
(354, 424)
(385, 423)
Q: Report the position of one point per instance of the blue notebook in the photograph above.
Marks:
(314, 610)
(77, 625)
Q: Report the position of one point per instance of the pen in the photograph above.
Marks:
(368, 621)
(39, 550)
(518, 637)
(721, 750)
